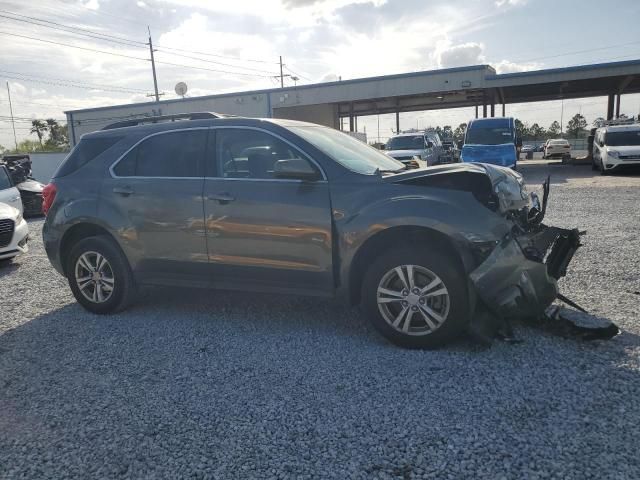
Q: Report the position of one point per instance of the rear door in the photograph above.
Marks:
(154, 195)
(265, 233)
(9, 194)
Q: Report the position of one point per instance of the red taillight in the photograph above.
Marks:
(48, 196)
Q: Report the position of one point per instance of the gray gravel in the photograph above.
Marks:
(214, 385)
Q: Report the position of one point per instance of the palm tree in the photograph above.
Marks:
(38, 127)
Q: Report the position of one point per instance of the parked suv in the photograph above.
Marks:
(616, 147)
(291, 207)
(423, 148)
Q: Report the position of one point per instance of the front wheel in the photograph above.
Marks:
(415, 298)
(99, 275)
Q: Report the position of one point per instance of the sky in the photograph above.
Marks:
(48, 49)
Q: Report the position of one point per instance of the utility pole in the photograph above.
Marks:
(153, 67)
(15, 139)
(561, 118)
(281, 75)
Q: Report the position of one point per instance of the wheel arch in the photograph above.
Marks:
(392, 237)
(78, 232)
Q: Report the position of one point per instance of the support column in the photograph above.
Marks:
(397, 122)
(503, 109)
(618, 106)
(493, 108)
(484, 110)
(355, 123)
(476, 111)
(610, 107)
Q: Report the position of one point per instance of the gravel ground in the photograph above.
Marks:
(214, 385)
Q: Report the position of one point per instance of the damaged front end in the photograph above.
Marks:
(519, 278)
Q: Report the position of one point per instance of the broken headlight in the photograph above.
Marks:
(512, 193)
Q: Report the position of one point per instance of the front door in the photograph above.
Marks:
(264, 233)
(155, 197)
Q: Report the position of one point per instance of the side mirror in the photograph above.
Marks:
(295, 169)
(429, 144)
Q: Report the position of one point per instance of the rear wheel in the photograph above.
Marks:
(416, 299)
(99, 275)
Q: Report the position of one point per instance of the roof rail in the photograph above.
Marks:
(164, 118)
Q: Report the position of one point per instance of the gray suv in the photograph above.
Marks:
(291, 207)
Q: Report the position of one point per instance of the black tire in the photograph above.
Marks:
(603, 171)
(442, 265)
(124, 288)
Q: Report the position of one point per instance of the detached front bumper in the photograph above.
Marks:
(519, 277)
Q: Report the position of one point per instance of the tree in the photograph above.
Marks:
(458, 133)
(599, 122)
(554, 129)
(536, 132)
(521, 128)
(57, 135)
(576, 126)
(447, 131)
(39, 128)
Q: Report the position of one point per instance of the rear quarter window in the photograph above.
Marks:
(84, 152)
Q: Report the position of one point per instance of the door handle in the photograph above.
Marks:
(124, 191)
(222, 198)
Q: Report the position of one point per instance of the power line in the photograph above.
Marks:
(67, 82)
(206, 54)
(70, 29)
(132, 57)
(74, 46)
(162, 50)
(106, 37)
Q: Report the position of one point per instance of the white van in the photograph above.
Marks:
(616, 147)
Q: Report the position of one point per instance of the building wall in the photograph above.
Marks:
(322, 114)
(44, 165)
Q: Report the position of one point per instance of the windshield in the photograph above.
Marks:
(407, 142)
(489, 136)
(353, 154)
(623, 139)
(5, 181)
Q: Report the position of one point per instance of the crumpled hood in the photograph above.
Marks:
(404, 153)
(30, 186)
(504, 182)
(504, 155)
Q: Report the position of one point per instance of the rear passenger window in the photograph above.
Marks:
(174, 154)
(84, 152)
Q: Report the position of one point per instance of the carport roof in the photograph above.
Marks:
(420, 89)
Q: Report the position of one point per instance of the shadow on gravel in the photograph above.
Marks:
(192, 380)
(537, 173)
(7, 267)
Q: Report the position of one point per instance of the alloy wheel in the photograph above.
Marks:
(413, 300)
(94, 277)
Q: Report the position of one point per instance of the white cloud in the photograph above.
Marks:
(461, 55)
(505, 66)
(510, 3)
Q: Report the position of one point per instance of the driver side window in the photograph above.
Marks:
(251, 154)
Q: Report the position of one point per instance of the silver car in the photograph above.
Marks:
(425, 148)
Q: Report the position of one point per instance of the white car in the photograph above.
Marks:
(557, 148)
(9, 194)
(14, 232)
(616, 147)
